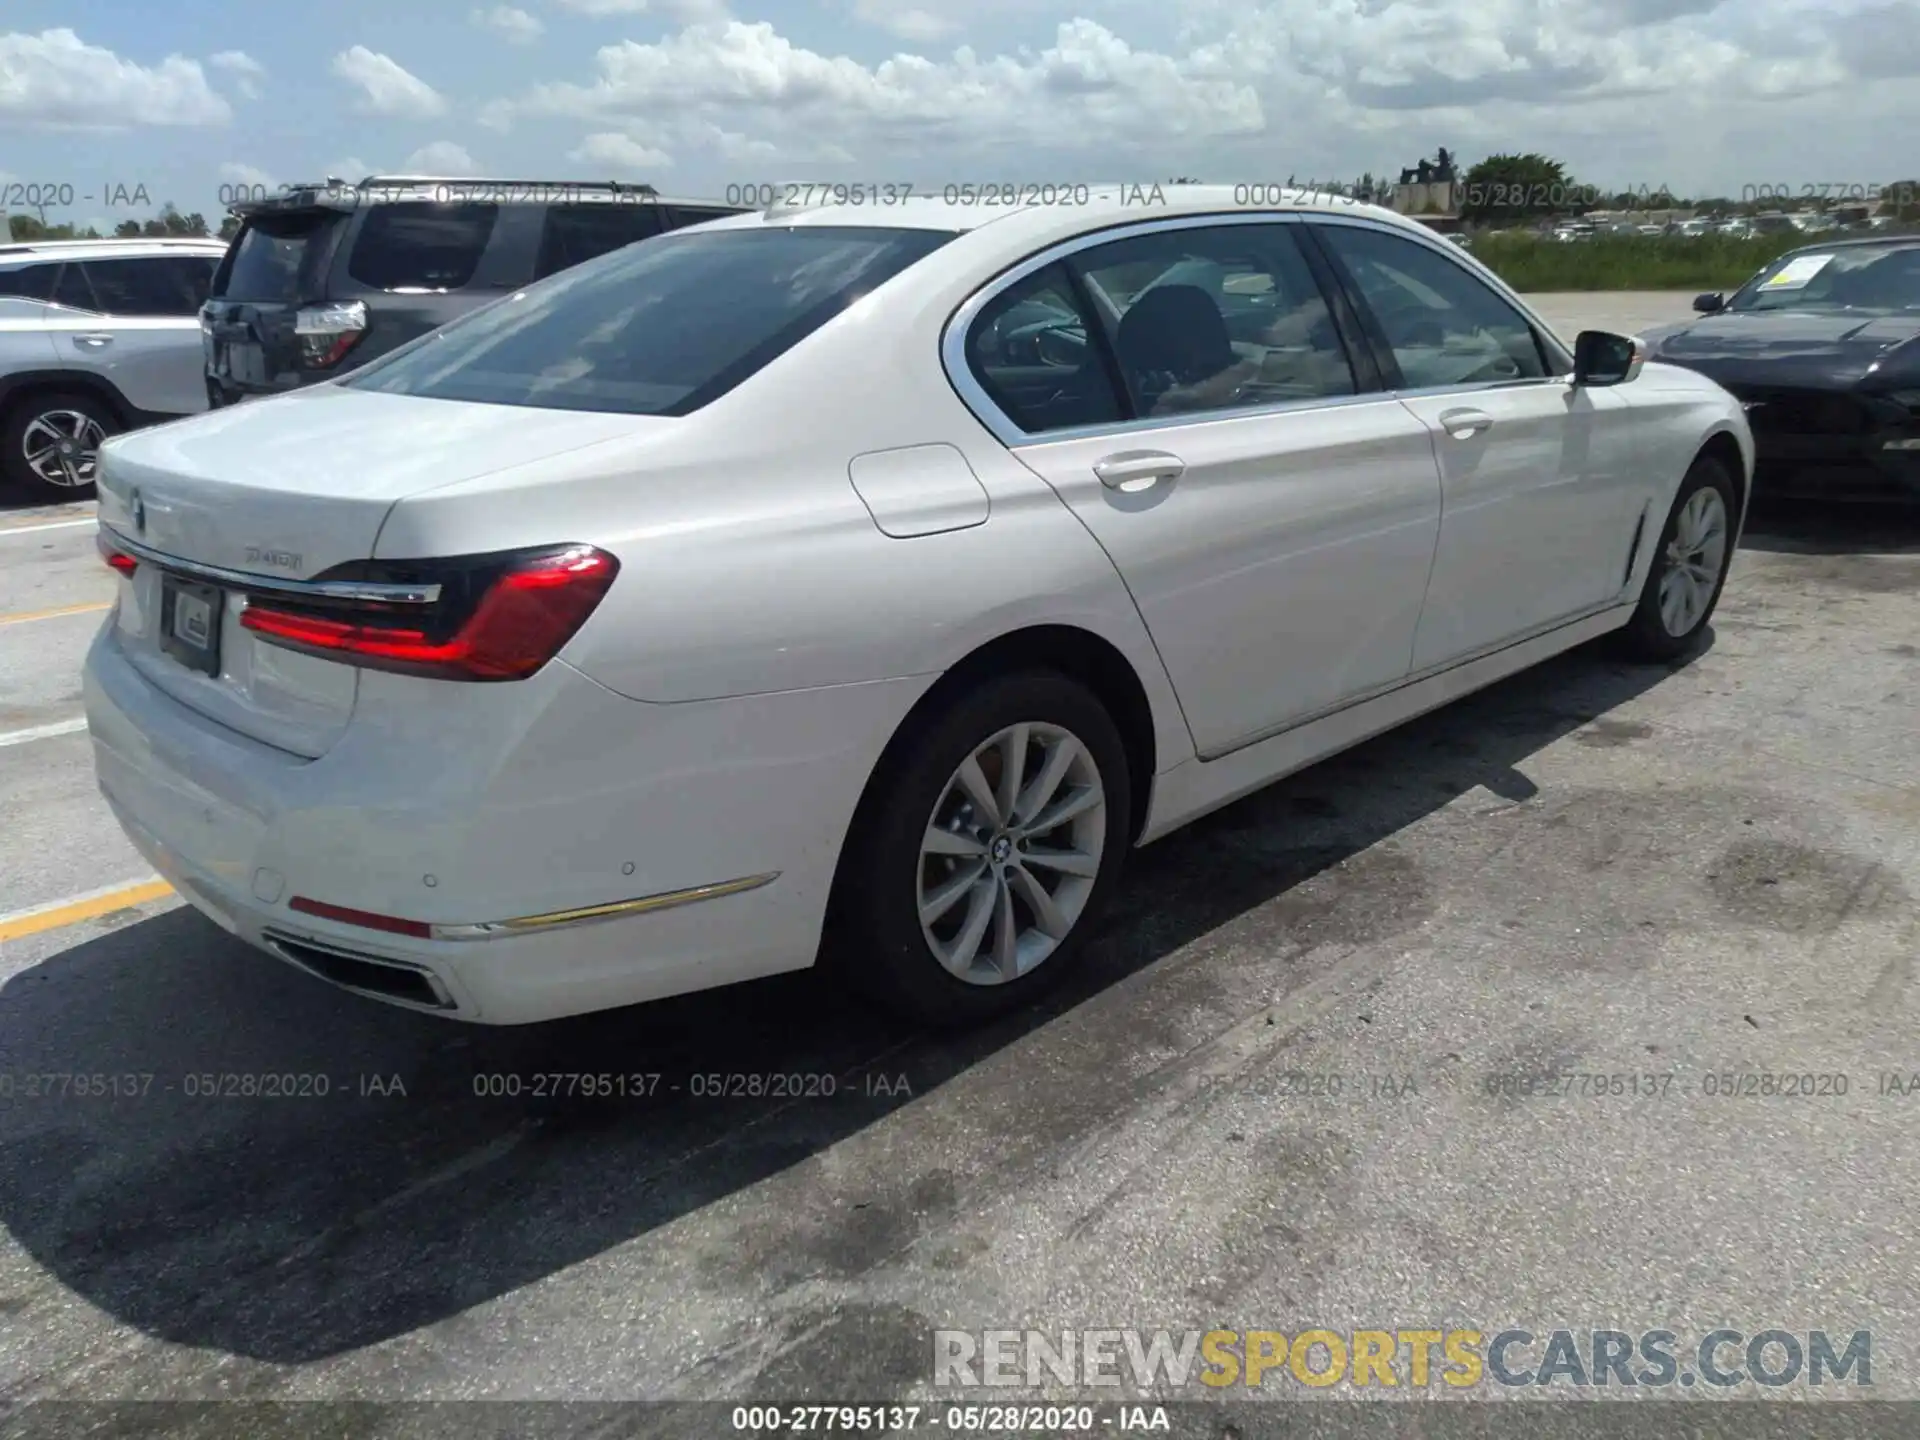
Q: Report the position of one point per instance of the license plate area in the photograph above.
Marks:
(190, 623)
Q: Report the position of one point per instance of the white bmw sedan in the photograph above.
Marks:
(874, 573)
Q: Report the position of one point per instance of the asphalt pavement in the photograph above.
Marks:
(1306, 1078)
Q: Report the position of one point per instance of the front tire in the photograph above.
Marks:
(1689, 567)
(50, 444)
(988, 842)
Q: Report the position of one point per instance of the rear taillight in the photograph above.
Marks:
(118, 559)
(525, 608)
(327, 332)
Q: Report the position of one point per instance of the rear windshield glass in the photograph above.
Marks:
(275, 261)
(659, 328)
(419, 246)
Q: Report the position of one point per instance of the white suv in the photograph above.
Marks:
(96, 336)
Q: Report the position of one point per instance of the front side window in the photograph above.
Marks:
(420, 246)
(1215, 318)
(1444, 325)
(657, 329)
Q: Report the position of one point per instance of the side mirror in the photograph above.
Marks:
(1600, 358)
(1710, 304)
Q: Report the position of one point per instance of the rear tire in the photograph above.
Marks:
(1689, 568)
(50, 443)
(951, 910)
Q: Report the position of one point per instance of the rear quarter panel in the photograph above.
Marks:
(749, 562)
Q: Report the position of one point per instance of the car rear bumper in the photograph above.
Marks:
(564, 798)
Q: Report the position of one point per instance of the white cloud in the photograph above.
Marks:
(246, 72)
(516, 26)
(236, 173)
(1691, 93)
(442, 157)
(1090, 89)
(57, 80)
(686, 12)
(386, 87)
(909, 22)
(352, 169)
(621, 154)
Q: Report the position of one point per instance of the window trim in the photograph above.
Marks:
(953, 340)
(1554, 356)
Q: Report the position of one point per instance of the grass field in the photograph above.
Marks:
(1630, 262)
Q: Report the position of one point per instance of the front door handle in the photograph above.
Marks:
(1138, 469)
(94, 341)
(1462, 423)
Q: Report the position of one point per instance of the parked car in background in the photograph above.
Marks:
(1823, 348)
(323, 278)
(877, 573)
(96, 337)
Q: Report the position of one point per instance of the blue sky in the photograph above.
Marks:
(181, 98)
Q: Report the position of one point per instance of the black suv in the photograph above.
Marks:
(323, 278)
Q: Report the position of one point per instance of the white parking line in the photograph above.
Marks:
(42, 732)
(6, 530)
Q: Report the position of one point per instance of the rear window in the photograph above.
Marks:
(421, 246)
(276, 261)
(28, 282)
(659, 329)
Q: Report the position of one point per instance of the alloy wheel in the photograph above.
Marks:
(1011, 853)
(62, 447)
(1694, 561)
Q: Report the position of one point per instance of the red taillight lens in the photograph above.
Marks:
(531, 609)
(119, 560)
(327, 332)
(365, 919)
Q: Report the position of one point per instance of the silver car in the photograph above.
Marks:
(96, 336)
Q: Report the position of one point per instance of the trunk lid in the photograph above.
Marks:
(283, 491)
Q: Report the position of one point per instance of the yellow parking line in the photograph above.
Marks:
(90, 906)
(23, 616)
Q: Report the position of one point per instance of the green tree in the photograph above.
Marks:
(229, 227)
(30, 227)
(127, 230)
(1513, 189)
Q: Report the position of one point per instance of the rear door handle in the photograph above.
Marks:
(1138, 469)
(94, 341)
(1462, 423)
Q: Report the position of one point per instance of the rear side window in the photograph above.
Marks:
(29, 282)
(72, 289)
(421, 246)
(1034, 352)
(276, 261)
(155, 285)
(574, 233)
(194, 274)
(696, 215)
(658, 329)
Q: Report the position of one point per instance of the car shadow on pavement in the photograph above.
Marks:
(1809, 527)
(430, 1177)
